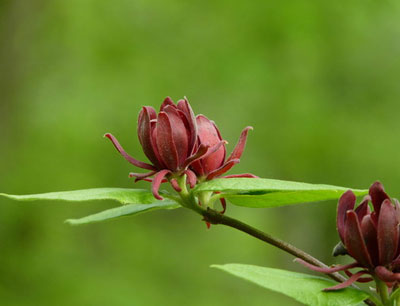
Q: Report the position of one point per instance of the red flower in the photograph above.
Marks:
(214, 165)
(169, 141)
(371, 238)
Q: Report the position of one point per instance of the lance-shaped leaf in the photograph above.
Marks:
(138, 201)
(304, 288)
(125, 210)
(122, 195)
(257, 192)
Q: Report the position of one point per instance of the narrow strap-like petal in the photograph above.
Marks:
(224, 168)
(354, 240)
(203, 152)
(348, 282)
(378, 195)
(129, 158)
(141, 176)
(247, 175)
(223, 203)
(386, 275)
(361, 279)
(175, 185)
(191, 178)
(327, 270)
(239, 148)
(157, 182)
(388, 233)
(346, 202)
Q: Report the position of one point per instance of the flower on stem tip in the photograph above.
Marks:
(173, 140)
(214, 165)
(371, 238)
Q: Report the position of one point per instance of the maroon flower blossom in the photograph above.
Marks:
(214, 165)
(169, 140)
(371, 238)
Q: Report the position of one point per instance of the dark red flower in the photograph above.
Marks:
(214, 165)
(371, 238)
(169, 140)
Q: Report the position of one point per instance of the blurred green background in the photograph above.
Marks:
(318, 80)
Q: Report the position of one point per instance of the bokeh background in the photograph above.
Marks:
(318, 80)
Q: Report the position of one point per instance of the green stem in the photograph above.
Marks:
(383, 292)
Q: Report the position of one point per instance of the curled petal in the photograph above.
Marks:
(194, 160)
(165, 142)
(239, 148)
(175, 185)
(141, 176)
(378, 195)
(247, 175)
(327, 270)
(223, 203)
(346, 202)
(386, 275)
(129, 158)
(203, 152)
(388, 233)
(354, 240)
(157, 182)
(224, 168)
(191, 178)
(361, 279)
(348, 282)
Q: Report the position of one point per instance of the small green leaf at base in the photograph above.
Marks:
(126, 210)
(304, 288)
(251, 192)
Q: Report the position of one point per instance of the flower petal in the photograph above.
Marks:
(386, 275)
(346, 202)
(165, 142)
(158, 179)
(354, 240)
(184, 106)
(363, 208)
(247, 175)
(239, 148)
(388, 232)
(145, 135)
(141, 176)
(129, 158)
(208, 135)
(167, 101)
(179, 134)
(369, 233)
(191, 178)
(348, 282)
(378, 195)
(224, 168)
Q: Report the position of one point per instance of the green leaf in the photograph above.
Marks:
(126, 210)
(260, 192)
(138, 201)
(304, 288)
(122, 195)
